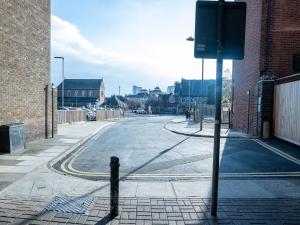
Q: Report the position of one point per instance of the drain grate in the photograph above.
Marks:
(69, 204)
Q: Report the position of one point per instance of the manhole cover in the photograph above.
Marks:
(69, 204)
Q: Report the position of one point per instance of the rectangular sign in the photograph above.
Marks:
(234, 24)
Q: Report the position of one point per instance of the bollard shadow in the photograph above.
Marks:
(108, 218)
(105, 220)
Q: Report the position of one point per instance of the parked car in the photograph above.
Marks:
(90, 115)
(140, 111)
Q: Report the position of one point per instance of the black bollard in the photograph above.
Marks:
(114, 186)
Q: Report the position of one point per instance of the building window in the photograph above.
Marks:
(90, 93)
(82, 93)
(69, 93)
(76, 93)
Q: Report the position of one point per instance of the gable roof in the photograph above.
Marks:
(81, 84)
(114, 101)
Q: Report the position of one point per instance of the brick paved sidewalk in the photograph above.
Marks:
(156, 211)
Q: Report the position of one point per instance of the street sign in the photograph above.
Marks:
(234, 23)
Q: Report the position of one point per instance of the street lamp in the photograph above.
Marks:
(202, 93)
(63, 79)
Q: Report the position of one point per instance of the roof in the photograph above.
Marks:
(81, 84)
(114, 101)
(193, 87)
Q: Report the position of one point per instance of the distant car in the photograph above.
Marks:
(90, 115)
(140, 111)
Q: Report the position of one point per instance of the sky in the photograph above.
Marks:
(126, 42)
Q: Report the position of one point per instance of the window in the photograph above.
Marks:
(83, 93)
(90, 93)
(76, 93)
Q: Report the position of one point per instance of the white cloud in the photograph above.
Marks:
(156, 52)
(67, 39)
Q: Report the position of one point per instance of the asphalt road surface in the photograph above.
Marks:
(146, 148)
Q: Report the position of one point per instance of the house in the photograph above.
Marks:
(114, 102)
(164, 103)
(189, 93)
(155, 92)
(136, 90)
(266, 86)
(81, 92)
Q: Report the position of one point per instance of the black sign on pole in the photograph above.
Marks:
(219, 34)
(233, 34)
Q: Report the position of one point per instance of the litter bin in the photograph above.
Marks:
(12, 137)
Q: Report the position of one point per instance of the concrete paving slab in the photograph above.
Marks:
(31, 163)
(192, 188)
(15, 169)
(47, 154)
(155, 189)
(30, 158)
(55, 150)
(69, 141)
(9, 162)
(9, 157)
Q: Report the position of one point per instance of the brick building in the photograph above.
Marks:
(81, 92)
(25, 93)
(272, 44)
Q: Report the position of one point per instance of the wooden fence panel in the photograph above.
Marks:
(108, 114)
(287, 112)
(70, 116)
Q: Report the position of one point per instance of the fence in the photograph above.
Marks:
(71, 116)
(108, 114)
(209, 112)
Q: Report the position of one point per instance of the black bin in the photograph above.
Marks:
(12, 137)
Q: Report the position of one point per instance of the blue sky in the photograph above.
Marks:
(127, 42)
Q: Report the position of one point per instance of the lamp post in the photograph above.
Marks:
(202, 92)
(63, 79)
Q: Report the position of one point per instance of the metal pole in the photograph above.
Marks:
(216, 154)
(114, 186)
(202, 93)
(63, 82)
(248, 120)
(189, 95)
(46, 111)
(52, 120)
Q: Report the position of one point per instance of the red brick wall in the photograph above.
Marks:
(25, 64)
(284, 36)
(272, 38)
(246, 72)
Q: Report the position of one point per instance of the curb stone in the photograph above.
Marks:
(205, 135)
(64, 155)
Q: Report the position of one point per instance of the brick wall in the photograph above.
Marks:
(272, 39)
(283, 37)
(25, 64)
(246, 72)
